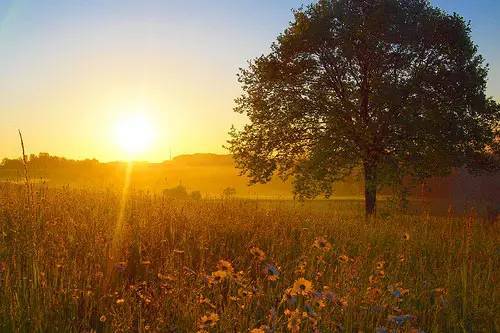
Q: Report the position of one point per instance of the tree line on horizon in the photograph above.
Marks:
(215, 175)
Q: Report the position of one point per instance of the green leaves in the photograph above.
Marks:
(396, 84)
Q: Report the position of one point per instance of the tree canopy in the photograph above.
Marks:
(396, 87)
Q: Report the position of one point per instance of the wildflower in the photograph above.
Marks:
(322, 244)
(301, 287)
(120, 301)
(399, 320)
(245, 293)
(271, 272)
(319, 298)
(401, 258)
(103, 318)
(225, 266)
(258, 330)
(319, 303)
(380, 265)
(406, 236)
(396, 293)
(397, 290)
(217, 276)
(208, 320)
(258, 253)
(343, 259)
(200, 299)
(294, 320)
(372, 279)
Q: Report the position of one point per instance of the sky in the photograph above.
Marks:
(71, 71)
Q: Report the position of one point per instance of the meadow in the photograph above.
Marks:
(75, 260)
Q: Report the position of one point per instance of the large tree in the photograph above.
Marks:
(395, 87)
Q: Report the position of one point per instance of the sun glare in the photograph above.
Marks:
(134, 134)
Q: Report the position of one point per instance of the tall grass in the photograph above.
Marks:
(236, 266)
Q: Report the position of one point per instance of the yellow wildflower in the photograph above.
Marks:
(217, 276)
(245, 293)
(258, 330)
(343, 259)
(226, 266)
(322, 244)
(209, 320)
(301, 287)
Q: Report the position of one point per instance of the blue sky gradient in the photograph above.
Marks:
(64, 64)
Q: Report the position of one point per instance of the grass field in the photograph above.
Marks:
(82, 261)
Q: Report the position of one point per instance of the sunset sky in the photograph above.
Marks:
(72, 71)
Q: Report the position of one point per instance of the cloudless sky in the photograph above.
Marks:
(69, 69)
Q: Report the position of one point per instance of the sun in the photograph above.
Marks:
(134, 134)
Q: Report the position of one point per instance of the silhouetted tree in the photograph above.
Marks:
(195, 195)
(228, 192)
(178, 192)
(394, 86)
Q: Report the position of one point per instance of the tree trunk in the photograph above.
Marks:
(370, 170)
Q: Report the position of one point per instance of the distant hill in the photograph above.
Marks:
(208, 173)
(203, 160)
(212, 173)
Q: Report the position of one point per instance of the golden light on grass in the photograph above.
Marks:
(134, 133)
